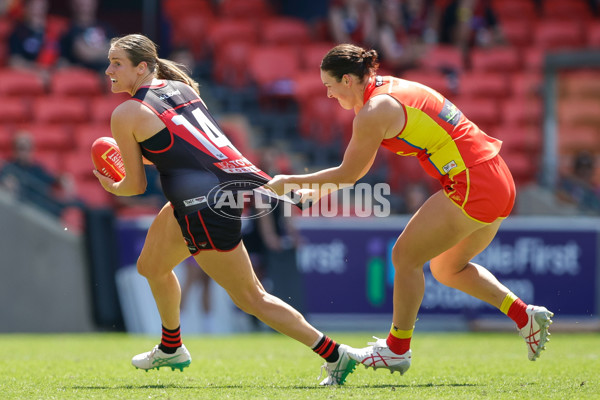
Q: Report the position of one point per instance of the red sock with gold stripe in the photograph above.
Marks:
(515, 309)
(398, 340)
(327, 348)
(171, 340)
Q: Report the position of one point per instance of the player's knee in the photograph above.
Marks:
(403, 260)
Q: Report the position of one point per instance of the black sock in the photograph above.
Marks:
(328, 349)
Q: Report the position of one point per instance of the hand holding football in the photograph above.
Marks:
(107, 158)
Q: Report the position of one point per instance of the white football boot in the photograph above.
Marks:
(156, 358)
(536, 332)
(378, 355)
(339, 370)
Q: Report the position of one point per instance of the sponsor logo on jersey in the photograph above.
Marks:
(378, 81)
(194, 201)
(165, 96)
(451, 165)
(239, 166)
(450, 113)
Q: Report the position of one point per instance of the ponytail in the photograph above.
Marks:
(170, 70)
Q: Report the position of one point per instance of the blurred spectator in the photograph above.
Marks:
(87, 40)
(405, 31)
(353, 21)
(30, 182)
(578, 187)
(34, 43)
(468, 23)
(13, 9)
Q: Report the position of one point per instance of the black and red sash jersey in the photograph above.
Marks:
(192, 154)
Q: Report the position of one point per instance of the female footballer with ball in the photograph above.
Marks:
(454, 224)
(166, 122)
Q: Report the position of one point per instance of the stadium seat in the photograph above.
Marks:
(101, 107)
(93, 194)
(174, 9)
(516, 137)
(579, 113)
(444, 58)
(580, 83)
(523, 166)
(78, 163)
(51, 137)
(312, 54)
(593, 35)
(85, 134)
(256, 9)
(51, 160)
(272, 68)
(225, 30)
(434, 79)
(230, 66)
(485, 113)
(496, 59)
(76, 81)
(576, 10)
(523, 111)
(533, 58)
(526, 83)
(60, 109)
(517, 32)
(307, 85)
(21, 82)
(284, 30)
(190, 31)
(13, 110)
(582, 138)
(484, 84)
(558, 34)
(508, 10)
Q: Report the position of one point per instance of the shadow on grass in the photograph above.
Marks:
(316, 387)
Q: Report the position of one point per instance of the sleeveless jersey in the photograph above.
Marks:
(436, 132)
(192, 154)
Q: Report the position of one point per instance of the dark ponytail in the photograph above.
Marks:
(350, 59)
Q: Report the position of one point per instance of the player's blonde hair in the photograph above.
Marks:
(139, 49)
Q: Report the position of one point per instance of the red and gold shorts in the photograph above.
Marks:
(485, 192)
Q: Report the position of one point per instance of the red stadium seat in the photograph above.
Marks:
(522, 165)
(256, 9)
(190, 31)
(593, 35)
(273, 67)
(225, 30)
(526, 83)
(577, 10)
(579, 113)
(21, 82)
(444, 58)
(101, 107)
(483, 112)
(284, 30)
(93, 194)
(76, 81)
(516, 137)
(85, 134)
(51, 137)
(523, 111)
(558, 34)
(517, 32)
(484, 84)
(575, 139)
(508, 10)
(312, 54)
(435, 80)
(496, 59)
(60, 109)
(307, 85)
(174, 9)
(231, 64)
(13, 110)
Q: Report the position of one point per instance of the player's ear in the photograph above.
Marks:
(142, 66)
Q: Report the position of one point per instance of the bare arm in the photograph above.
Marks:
(123, 122)
(378, 119)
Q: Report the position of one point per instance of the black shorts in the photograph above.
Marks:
(207, 230)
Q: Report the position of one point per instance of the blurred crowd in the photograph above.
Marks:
(402, 31)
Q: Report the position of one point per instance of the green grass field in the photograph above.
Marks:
(271, 366)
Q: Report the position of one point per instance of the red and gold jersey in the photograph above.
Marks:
(436, 131)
